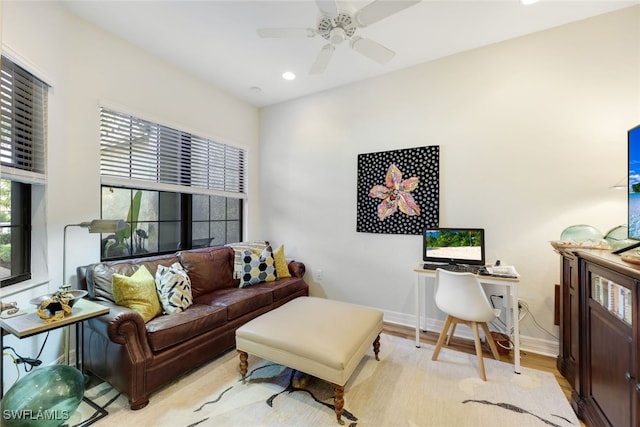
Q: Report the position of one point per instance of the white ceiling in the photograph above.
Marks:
(217, 40)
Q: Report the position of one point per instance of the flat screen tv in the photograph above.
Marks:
(633, 205)
(453, 245)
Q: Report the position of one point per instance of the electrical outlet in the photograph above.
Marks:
(319, 275)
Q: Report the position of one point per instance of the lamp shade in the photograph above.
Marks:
(104, 225)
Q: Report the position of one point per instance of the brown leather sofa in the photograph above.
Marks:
(137, 358)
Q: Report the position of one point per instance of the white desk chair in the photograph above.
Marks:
(462, 298)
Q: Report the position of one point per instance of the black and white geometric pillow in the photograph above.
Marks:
(174, 288)
(258, 268)
(239, 248)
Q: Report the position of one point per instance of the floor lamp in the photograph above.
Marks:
(94, 226)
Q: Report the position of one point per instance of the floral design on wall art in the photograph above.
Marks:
(395, 194)
(398, 191)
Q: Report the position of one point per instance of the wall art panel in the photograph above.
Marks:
(398, 191)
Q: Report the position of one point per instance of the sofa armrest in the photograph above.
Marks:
(297, 268)
(122, 326)
(116, 350)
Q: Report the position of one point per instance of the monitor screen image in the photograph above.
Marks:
(453, 245)
(634, 183)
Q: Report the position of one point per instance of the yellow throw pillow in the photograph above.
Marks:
(137, 292)
(282, 268)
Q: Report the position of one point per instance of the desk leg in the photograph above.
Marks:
(418, 297)
(513, 322)
(516, 331)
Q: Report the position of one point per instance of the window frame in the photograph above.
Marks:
(186, 225)
(138, 154)
(23, 143)
(22, 211)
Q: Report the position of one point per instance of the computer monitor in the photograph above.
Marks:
(453, 245)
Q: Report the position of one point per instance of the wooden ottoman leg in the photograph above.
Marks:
(376, 347)
(338, 401)
(243, 363)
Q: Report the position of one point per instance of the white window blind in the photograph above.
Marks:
(23, 124)
(138, 153)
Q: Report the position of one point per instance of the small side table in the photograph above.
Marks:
(26, 323)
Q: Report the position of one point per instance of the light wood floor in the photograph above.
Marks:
(529, 360)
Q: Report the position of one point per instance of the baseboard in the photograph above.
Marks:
(533, 345)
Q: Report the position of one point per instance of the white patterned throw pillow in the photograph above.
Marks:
(258, 268)
(174, 288)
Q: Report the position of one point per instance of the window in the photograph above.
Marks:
(15, 219)
(23, 135)
(215, 219)
(174, 189)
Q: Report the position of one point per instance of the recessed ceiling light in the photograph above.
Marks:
(288, 75)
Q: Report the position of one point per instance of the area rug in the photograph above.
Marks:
(404, 388)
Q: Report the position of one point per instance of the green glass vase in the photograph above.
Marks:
(45, 397)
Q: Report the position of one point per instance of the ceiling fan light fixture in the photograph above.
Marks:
(337, 35)
(288, 75)
(338, 22)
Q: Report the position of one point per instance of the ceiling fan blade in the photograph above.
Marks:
(328, 7)
(380, 9)
(323, 59)
(270, 33)
(372, 50)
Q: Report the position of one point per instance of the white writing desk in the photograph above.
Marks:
(511, 288)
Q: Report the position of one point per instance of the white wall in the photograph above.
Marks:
(87, 66)
(532, 132)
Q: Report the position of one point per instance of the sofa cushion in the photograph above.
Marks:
(238, 301)
(99, 276)
(102, 277)
(257, 268)
(166, 331)
(137, 292)
(174, 288)
(209, 269)
(284, 288)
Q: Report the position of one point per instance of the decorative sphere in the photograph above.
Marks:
(617, 237)
(47, 397)
(582, 233)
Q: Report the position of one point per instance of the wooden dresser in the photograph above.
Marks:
(599, 336)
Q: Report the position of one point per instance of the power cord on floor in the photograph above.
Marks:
(14, 362)
(29, 363)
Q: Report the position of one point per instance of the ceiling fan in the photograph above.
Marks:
(338, 22)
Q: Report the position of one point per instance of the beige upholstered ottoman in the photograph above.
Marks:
(323, 338)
